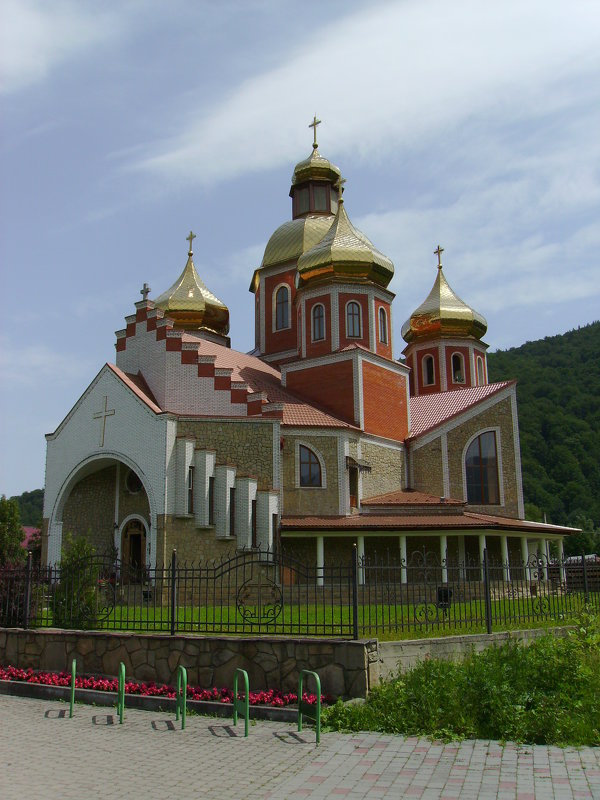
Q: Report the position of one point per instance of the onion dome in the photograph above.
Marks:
(444, 314)
(344, 253)
(191, 305)
(295, 237)
(315, 168)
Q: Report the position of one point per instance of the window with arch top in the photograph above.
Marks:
(282, 308)
(428, 371)
(481, 466)
(318, 322)
(480, 375)
(458, 368)
(383, 328)
(353, 327)
(310, 467)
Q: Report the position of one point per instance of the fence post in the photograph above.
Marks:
(354, 592)
(27, 591)
(173, 590)
(586, 595)
(486, 588)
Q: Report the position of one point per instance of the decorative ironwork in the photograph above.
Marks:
(259, 601)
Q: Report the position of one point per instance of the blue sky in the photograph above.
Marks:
(126, 124)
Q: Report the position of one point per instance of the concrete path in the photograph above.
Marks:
(45, 754)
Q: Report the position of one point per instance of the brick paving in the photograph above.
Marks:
(45, 754)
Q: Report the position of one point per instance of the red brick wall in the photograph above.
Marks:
(314, 349)
(384, 399)
(278, 341)
(330, 386)
(384, 350)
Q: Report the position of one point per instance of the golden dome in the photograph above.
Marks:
(191, 305)
(315, 168)
(443, 313)
(344, 252)
(295, 237)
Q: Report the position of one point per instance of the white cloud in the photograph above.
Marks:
(36, 36)
(388, 77)
(33, 365)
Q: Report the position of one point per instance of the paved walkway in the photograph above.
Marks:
(45, 754)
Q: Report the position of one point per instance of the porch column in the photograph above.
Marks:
(462, 558)
(561, 560)
(505, 564)
(482, 546)
(360, 552)
(403, 571)
(320, 560)
(443, 553)
(116, 537)
(541, 549)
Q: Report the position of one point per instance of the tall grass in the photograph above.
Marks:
(547, 692)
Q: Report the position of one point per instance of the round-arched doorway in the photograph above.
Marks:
(133, 551)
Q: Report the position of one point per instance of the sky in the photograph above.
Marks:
(126, 124)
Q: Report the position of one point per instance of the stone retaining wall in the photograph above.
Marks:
(346, 668)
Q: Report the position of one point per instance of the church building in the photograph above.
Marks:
(319, 439)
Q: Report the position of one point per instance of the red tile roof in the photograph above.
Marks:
(138, 386)
(408, 497)
(427, 411)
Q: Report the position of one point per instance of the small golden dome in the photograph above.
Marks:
(295, 237)
(315, 168)
(191, 305)
(443, 313)
(345, 253)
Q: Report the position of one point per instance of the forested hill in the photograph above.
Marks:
(558, 394)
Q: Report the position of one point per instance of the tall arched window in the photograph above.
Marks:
(383, 331)
(353, 320)
(480, 375)
(428, 371)
(282, 308)
(318, 322)
(310, 467)
(482, 470)
(458, 368)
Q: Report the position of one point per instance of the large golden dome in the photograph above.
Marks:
(443, 313)
(345, 253)
(191, 305)
(295, 237)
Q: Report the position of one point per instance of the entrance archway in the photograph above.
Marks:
(133, 551)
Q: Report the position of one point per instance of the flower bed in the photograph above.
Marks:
(269, 697)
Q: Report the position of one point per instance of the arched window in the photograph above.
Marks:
(383, 332)
(428, 371)
(282, 308)
(353, 320)
(482, 470)
(318, 322)
(458, 368)
(480, 375)
(310, 467)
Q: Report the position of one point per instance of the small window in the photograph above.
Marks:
(480, 375)
(211, 501)
(428, 371)
(458, 368)
(190, 491)
(133, 483)
(302, 201)
(310, 468)
(282, 308)
(318, 323)
(353, 321)
(383, 332)
(253, 525)
(319, 198)
(482, 470)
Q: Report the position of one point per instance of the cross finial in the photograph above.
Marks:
(339, 185)
(190, 239)
(313, 125)
(145, 291)
(438, 253)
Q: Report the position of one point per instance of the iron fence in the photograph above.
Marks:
(257, 592)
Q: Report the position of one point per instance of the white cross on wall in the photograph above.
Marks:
(103, 414)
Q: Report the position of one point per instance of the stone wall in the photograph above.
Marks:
(346, 668)
(90, 509)
(386, 469)
(193, 545)
(310, 500)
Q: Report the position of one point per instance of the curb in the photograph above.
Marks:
(91, 697)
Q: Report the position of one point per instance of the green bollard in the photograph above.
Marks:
(181, 701)
(121, 694)
(242, 705)
(73, 672)
(305, 709)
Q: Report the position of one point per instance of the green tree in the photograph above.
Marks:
(76, 596)
(11, 532)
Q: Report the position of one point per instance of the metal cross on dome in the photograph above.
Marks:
(190, 239)
(313, 125)
(438, 253)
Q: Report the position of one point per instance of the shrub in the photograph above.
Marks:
(75, 601)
